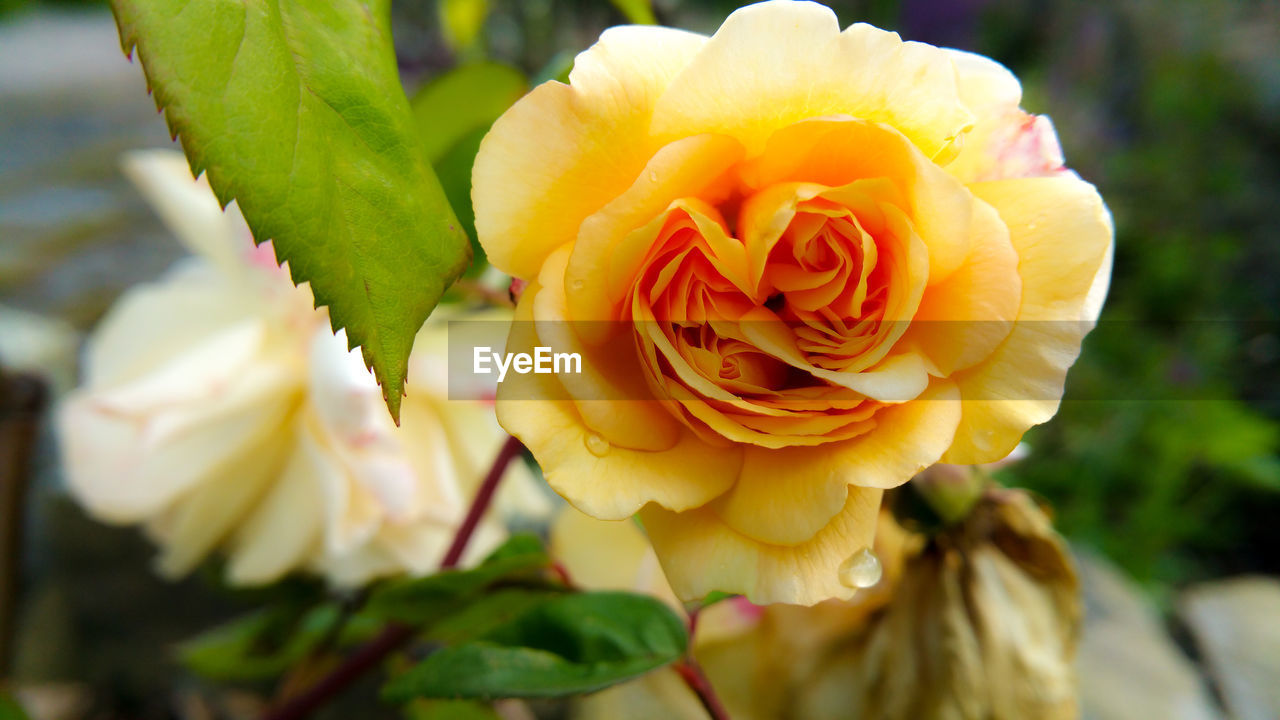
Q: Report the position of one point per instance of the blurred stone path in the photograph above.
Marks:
(1128, 665)
(73, 233)
(1236, 625)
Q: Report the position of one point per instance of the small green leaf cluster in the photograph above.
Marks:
(510, 627)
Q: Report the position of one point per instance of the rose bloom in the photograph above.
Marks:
(800, 265)
(220, 411)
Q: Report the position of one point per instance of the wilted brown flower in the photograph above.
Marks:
(983, 626)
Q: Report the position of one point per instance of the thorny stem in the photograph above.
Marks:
(395, 635)
(691, 672)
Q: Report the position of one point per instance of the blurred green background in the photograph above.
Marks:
(1164, 455)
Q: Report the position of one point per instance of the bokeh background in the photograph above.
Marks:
(1161, 467)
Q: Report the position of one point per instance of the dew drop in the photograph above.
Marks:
(653, 176)
(861, 570)
(597, 445)
(578, 284)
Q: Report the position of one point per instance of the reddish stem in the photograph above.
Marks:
(484, 496)
(395, 635)
(697, 681)
(691, 672)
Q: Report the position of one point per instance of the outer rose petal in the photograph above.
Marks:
(202, 519)
(167, 318)
(615, 484)
(608, 555)
(786, 497)
(564, 151)
(190, 209)
(701, 554)
(1005, 142)
(776, 63)
(984, 83)
(287, 525)
(166, 444)
(1063, 235)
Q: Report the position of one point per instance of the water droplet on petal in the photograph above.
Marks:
(861, 570)
(597, 445)
(578, 284)
(653, 176)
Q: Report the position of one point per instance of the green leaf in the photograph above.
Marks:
(639, 12)
(10, 709)
(521, 560)
(453, 113)
(294, 109)
(557, 68)
(524, 547)
(462, 100)
(266, 643)
(486, 613)
(566, 645)
(713, 597)
(450, 710)
(461, 22)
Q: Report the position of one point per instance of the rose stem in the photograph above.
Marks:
(691, 672)
(395, 635)
(22, 401)
(484, 496)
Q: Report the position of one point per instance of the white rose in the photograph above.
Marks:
(220, 412)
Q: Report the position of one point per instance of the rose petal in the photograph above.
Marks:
(776, 63)
(615, 483)
(1062, 233)
(564, 151)
(785, 497)
(701, 554)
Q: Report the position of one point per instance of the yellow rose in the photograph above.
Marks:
(219, 411)
(800, 265)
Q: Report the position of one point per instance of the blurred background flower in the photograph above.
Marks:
(220, 411)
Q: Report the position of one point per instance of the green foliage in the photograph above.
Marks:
(453, 112)
(10, 709)
(266, 643)
(461, 22)
(521, 561)
(638, 12)
(509, 627)
(449, 710)
(465, 99)
(294, 109)
(1164, 453)
(564, 645)
(557, 68)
